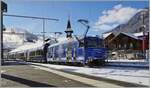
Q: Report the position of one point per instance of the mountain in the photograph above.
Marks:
(134, 24)
(14, 37)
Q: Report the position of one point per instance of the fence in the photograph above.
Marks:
(128, 54)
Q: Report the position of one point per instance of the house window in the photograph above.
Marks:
(131, 45)
(119, 46)
(125, 46)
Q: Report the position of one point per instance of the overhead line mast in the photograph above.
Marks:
(34, 17)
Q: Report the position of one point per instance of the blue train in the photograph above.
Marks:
(88, 51)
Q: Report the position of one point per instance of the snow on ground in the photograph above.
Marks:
(127, 60)
(133, 75)
(128, 63)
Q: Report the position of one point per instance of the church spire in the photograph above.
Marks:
(68, 25)
(69, 30)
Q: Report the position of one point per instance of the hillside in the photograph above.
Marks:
(134, 24)
(14, 37)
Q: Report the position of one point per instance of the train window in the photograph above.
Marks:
(51, 50)
(38, 52)
(22, 54)
(56, 48)
(93, 42)
(32, 53)
(64, 46)
(75, 44)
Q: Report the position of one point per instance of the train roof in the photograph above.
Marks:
(63, 42)
(28, 46)
(39, 45)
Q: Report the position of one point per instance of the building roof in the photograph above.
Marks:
(106, 35)
(127, 34)
(130, 35)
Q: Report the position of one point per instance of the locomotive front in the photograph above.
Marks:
(95, 53)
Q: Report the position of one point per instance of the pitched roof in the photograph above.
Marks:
(127, 34)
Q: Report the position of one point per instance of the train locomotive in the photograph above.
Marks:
(88, 51)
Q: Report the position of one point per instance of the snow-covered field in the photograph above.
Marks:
(126, 63)
(132, 75)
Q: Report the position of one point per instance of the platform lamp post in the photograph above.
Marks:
(2, 10)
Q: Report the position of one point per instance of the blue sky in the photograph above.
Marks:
(94, 11)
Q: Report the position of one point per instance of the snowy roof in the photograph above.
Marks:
(106, 34)
(127, 34)
(130, 35)
(138, 34)
(63, 42)
(39, 45)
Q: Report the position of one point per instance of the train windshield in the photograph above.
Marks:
(93, 42)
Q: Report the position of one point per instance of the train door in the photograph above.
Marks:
(50, 55)
(60, 52)
(26, 55)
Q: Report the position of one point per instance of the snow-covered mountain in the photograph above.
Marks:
(14, 37)
(134, 24)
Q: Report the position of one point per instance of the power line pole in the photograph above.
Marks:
(43, 31)
(33, 17)
(2, 10)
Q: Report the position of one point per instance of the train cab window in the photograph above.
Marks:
(93, 42)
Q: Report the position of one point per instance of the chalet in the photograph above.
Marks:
(127, 42)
